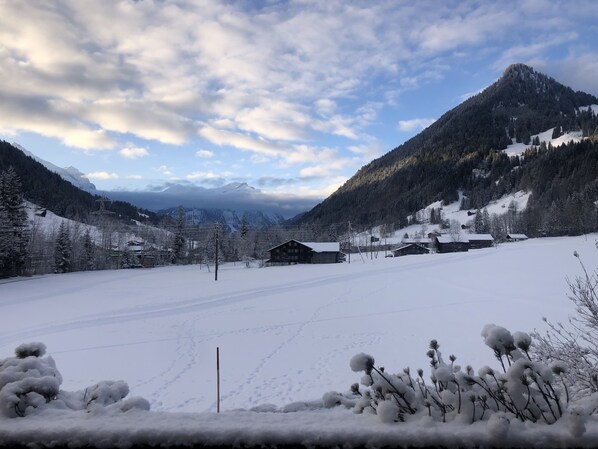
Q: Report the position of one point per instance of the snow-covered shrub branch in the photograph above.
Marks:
(522, 388)
(30, 382)
(575, 345)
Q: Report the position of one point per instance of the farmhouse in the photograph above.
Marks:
(477, 241)
(426, 242)
(446, 243)
(516, 237)
(293, 252)
(410, 248)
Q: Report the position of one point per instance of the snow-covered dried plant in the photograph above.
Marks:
(524, 389)
(30, 382)
(574, 345)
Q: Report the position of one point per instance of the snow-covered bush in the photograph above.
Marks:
(521, 388)
(575, 345)
(30, 382)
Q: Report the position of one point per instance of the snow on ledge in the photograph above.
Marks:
(336, 427)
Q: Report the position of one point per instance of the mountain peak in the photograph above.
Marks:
(518, 70)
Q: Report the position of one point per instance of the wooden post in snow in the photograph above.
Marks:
(217, 379)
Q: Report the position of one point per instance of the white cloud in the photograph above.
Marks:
(269, 83)
(325, 106)
(415, 124)
(132, 152)
(135, 177)
(242, 141)
(202, 176)
(204, 154)
(165, 170)
(102, 175)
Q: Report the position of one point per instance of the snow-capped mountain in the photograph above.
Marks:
(232, 219)
(70, 174)
(237, 197)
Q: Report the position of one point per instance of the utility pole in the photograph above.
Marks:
(216, 254)
(350, 238)
(218, 379)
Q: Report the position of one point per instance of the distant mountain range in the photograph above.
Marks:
(466, 150)
(231, 219)
(229, 204)
(236, 197)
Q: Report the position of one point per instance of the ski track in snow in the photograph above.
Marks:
(258, 394)
(182, 307)
(335, 310)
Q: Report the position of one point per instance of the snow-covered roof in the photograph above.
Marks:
(448, 238)
(405, 245)
(478, 237)
(323, 247)
(318, 247)
(517, 236)
(422, 240)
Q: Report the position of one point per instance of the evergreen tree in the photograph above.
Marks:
(244, 229)
(485, 221)
(478, 222)
(13, 225)
(63, 250)
(178, 245)
(88, 257)
(127, 259)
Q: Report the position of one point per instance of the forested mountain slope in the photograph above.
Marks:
(48, 190)
(464, 149)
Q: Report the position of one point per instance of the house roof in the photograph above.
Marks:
(317, 247)
(517, 236)
(323, 247)
(448, 238)
(480, 237)
(409, 244)
(422, 240)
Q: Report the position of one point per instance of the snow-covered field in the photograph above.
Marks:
(285, 333)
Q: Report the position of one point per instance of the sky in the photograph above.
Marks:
(291, 97)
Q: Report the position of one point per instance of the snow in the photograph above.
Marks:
(517, 149)
(593, 107)
(323, 247)
(286, 336)
(478, 237)
(70, 174)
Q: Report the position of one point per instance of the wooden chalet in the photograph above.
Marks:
(446, 243)
(294, 252)
(516, 237)
(426, 242)
(407, 249)
(477, 241)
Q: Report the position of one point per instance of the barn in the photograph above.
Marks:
(426, 242)
(410, 248)
(294, 252)
(477, 241)
(446, 243)
(516, 237)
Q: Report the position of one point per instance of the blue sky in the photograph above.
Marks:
(291, 97)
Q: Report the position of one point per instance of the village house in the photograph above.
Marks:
(447, 243)
(406, 249)
(477, 241)
(426, 242)
(295, 252)
(516, 237)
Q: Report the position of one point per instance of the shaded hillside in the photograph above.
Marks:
(47, 189)
(441, 159)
